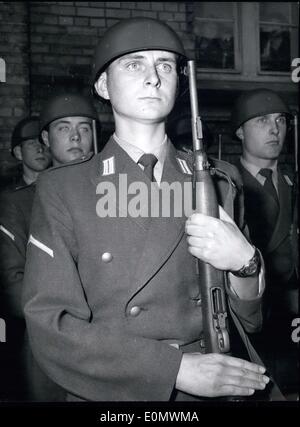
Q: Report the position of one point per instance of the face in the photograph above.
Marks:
(263, 137)
(69, 138)
(141, 86)
(34, 155)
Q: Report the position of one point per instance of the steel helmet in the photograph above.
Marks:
(255, 103)
(66, 105)
(27, 128)
(132, 35)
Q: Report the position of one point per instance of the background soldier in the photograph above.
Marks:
(27, 147)
(112, 303)
(259, 119)
(68, 120)
(66, 127)
(15, 208)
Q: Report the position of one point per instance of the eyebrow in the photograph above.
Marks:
(140, 56)
(69, 122)
(271, 114)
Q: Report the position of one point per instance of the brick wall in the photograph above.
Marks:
(14, 92)
(58, 39)
(64, 34)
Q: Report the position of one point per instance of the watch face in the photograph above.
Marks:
(251, 268)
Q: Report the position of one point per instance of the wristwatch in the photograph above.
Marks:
(250, 269)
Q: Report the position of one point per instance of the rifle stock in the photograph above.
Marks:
(211, 280)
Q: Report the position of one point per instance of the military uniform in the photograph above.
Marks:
(112, 302)
(23, 378)
(14, 227)
(16, 184)
(279, 248)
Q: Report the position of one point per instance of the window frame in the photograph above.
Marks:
(290, 25)
(237, 42)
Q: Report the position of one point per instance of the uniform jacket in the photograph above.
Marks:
(17, 183)
(106, 296)
(26, 380)
(279, 245)
(15, 215)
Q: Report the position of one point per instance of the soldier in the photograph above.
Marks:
(112, 301)
(27, 148)
(259, 119)
(68, 120)
(15, 211)
(66, 127)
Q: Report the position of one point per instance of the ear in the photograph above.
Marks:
(45, 138)
(240, 133)
(101, 86)
(18, 152)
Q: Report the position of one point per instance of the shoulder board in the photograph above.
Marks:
(229, 169)
(185, 154)
(68, 164)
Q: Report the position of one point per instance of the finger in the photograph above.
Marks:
(199, 231)
(200, 219)
(228, 390)
(257, 382)
(200, 243)
(244, 364)
(247, 374)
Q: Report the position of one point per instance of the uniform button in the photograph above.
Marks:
(199, 302)
(107, 257)
(134, 311)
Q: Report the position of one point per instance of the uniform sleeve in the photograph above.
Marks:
(13, 241)
(90, 358)
(248, 311)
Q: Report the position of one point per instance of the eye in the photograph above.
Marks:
(63, 128)
(133, 66)
(85, 129)
(165, 67)
(281, 120)
(262, 119)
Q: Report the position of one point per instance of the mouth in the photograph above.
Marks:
(150, 98)
(273, 142)
(41, 159)
(75, 150)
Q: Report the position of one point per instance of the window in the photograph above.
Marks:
(215, 30)
(277, 36)
(244, 40)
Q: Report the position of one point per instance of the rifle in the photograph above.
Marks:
(211, 280)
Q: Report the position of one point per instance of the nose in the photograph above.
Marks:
(39, 148)
(75, 136)
(152, 77)
(274, 127)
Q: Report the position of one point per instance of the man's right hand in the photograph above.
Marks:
(213, 375)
